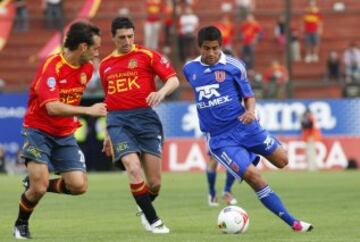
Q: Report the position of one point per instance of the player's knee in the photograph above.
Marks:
(78, 188)
(134, 172)
(279, 158)
(39, 189)
(282, 162)
(155, 187)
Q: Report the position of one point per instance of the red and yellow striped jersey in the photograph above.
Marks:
(56, 80)
(129, 78)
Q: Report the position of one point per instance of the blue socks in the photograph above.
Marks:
(228, 182)
(273, 203)
(211, 177)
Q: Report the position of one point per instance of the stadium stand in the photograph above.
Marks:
(17, 68)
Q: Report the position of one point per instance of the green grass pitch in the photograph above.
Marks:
(329, 200)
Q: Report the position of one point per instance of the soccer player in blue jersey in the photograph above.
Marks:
(226, 110)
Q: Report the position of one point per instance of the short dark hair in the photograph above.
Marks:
(121, 23)
(80, 32)
(209, 33)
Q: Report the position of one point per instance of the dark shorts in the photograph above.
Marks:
(61, 153)
(135, 131)
(237, 149)
(312, 38)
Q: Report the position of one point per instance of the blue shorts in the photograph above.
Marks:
(61, 153)
(237, 148)
(135, 131)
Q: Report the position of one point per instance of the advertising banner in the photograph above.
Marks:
(334, 117)
(12, 110)
(190, 154)
(185, 148)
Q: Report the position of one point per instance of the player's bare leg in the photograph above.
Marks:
(75, 182)
(152, 171)
(211, 178)
(228, 197)
(278, 158)
(39, 180)
(141, 194)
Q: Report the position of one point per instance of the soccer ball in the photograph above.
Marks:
(233, 220)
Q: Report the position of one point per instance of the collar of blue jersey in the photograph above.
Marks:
(222, 60)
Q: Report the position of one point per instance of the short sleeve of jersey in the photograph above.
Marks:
(162, 66)
(185, 73)
(47, 84)
(241, 78)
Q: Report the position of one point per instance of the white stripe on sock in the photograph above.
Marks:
(264, 192)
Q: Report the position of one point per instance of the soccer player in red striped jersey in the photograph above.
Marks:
(50, 122)
(135, 135)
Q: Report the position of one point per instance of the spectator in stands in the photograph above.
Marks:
(295, 44)
(188, 24)
(352, 63)
(251, 32)
(226, 27)
(333, 67)
(310, 134)
(187, 3)
(280, 35)
(54, 14)
(21, 17)
(279, 31)
(168, 22)
(313, 28)
(275, 78)
(244, 8)
(152, 24)
(257, 83)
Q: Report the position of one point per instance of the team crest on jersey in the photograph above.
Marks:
(51, 83)
(220, 76)
(83, 78)
(132, 64)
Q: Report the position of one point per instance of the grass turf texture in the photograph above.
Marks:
(329, 200)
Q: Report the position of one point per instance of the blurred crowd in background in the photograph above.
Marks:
(175, 23)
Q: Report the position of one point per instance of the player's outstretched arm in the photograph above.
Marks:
(155, 98)
(58, 108)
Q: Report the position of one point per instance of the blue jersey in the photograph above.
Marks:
(219, 91)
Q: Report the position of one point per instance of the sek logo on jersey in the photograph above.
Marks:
(211, 93)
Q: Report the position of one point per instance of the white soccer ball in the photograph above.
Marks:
(233, 220)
